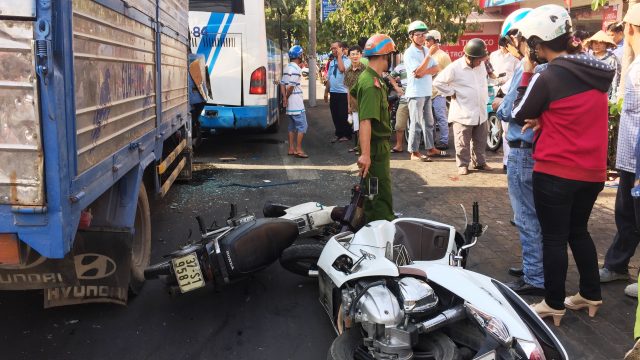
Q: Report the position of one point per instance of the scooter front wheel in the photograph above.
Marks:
(301, 258)
(348, 346)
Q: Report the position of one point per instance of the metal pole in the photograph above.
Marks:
(311, 53)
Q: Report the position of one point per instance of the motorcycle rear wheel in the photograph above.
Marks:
(299, 258)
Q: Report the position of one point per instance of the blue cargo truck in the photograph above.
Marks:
(94, 123)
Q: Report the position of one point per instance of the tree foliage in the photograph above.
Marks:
(291, 17)
(363, 18)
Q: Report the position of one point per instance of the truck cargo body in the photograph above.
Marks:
(94, 120)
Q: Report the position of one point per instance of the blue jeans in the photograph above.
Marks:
(420, 120)
(440, 111)
(519, 177)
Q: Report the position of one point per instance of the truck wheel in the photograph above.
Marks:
(300, 258)
(141, 246)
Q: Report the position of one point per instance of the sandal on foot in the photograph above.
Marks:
(302, 155)
(543, 310)
(394, 150)
(423, 158)
(577, 302)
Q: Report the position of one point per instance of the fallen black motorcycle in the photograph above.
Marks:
(225, 254)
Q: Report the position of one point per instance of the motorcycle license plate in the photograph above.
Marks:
(488, 356)
(188, 273)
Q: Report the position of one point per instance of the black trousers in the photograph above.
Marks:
(339, 113)
(563, 207)
(627, 238)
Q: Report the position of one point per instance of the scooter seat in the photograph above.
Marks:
(424, 242)
(257, 244)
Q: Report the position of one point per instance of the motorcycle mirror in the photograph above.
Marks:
(466, 220)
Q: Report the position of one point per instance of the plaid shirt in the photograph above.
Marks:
(350, 79)
(629, 120)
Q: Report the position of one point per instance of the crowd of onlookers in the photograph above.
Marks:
(552, 88)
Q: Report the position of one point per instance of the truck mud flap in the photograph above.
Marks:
(97, 270)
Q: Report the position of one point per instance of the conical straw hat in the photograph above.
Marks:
(601, 36)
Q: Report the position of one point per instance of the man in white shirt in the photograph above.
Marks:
(420, 66)
(503, 63)
(465, 80)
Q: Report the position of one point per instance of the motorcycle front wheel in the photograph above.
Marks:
(349, 346)
(300, 258)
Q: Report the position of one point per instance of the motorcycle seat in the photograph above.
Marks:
(257, 244)
(424, 242)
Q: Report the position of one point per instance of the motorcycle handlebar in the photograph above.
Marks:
(153, 271)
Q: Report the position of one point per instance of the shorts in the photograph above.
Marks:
(298, 123)
(402, 116)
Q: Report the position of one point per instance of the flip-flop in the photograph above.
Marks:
(396, 151)
(343, 139)
(302, 155)
(422, 158)
(291, 153)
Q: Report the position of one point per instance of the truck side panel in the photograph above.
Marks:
(114, 66)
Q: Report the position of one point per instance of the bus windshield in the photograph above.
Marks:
(217, 6)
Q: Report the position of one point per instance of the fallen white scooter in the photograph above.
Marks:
(399, 290)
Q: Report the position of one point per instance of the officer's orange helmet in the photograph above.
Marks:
(379, 44)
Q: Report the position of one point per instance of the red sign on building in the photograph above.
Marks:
(456, 50)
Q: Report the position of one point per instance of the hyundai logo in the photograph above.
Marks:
(94, 266)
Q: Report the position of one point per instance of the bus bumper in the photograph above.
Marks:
(224, 117)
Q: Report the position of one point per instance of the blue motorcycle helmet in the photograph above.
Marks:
(295, 52)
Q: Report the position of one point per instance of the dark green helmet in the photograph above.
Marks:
(475, 48)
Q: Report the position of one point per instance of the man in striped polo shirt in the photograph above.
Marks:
(294, 102)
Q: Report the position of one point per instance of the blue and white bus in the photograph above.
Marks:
(244, 64)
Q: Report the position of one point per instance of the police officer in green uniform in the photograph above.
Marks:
(375, 125)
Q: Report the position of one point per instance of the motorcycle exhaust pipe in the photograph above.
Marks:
(445, 318)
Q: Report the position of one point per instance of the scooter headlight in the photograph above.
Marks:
(418, 295)
(531, 350)
(491, 324)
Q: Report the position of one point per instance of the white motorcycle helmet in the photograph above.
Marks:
(511, 22)
(435, 34)
(546, 22)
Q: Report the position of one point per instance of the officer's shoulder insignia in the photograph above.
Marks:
(376, 83)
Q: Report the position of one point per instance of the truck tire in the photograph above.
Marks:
(300, 258)
(141, 245)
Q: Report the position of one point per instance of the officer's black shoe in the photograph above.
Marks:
(516, 271)
(522, 288)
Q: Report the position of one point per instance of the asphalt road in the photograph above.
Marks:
(275, 314)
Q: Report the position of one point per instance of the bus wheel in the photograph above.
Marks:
(273, 129)
(141, 245)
